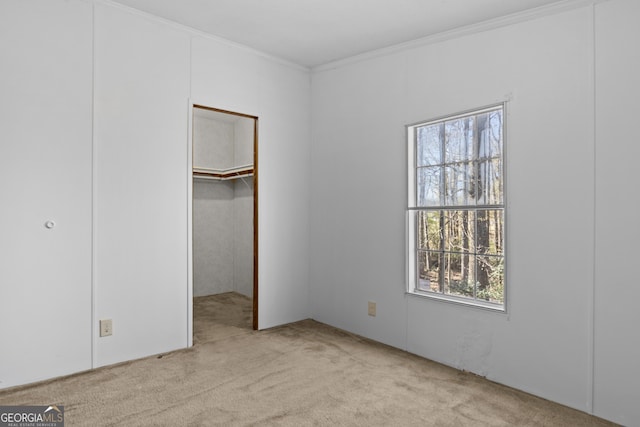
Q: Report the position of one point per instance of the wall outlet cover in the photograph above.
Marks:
(372, 308)
(106, 327)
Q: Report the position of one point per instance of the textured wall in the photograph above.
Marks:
(359, 198)
(225, 77)
(617, 348)
(213, 146)
(213, 237)
(125, 236)
(141, 88)
(243, 236)
(222, 210)
(45, 174)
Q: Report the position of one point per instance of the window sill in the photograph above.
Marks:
(495, 308)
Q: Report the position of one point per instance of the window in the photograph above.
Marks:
(456, 208)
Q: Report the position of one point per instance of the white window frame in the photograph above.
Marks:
(413, 208)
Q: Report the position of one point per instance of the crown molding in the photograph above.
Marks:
(198, 33)
(514, 18)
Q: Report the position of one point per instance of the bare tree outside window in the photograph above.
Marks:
(457, 239)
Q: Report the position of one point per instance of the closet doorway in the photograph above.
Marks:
(224, 207)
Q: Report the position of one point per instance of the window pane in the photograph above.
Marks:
(428, 187)
(429, 235)
(490, 278)
(459, 140)
(428, 145)
(489, 182)
(459, 231)
(458, 277)
(490, 134)
(490, 231)
(429, 271)
(458, 185)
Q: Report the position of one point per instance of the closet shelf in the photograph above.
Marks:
(223, 174)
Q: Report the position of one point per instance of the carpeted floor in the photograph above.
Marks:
(302, 374)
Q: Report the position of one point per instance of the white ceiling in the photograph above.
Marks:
(315, 32)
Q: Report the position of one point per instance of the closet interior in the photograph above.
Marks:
(224, 233)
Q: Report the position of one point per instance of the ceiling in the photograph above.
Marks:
(314, 32)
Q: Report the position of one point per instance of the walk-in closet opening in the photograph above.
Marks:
(224, 220)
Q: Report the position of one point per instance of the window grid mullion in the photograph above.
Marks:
(443, 194)
(475, 141)
(457, 208)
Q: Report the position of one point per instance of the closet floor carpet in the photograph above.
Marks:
(301, 374)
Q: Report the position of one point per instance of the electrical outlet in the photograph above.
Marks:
(106, 327)
(372, 308)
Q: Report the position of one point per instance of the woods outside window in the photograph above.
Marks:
(456, 208)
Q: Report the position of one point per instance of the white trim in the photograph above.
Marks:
(190, 224)
(474, 303)
(506, 113)
(224, 109)
(503, 21)
(467, 113)
(95, 329)
(591, 294)
(411, 282)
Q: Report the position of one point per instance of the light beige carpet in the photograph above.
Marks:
(301, 374)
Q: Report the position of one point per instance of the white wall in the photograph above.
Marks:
(550, 343)
(140, 127)
(544, 68)
(213, 237)
(617, 348)
(213, 207)
(119, 191)
(243, 236)
(232, 79)
(243, 131)
(45, 174)
(213, 142)
(243, 209)
(171, 66)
